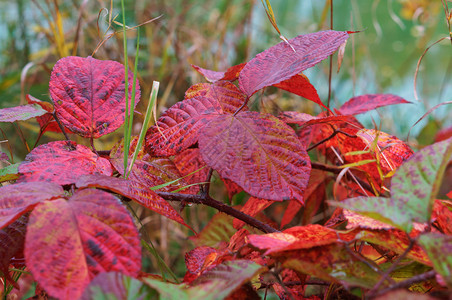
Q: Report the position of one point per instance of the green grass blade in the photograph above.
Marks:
(126, 87)
(144, 127)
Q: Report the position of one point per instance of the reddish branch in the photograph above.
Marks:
(208, 201)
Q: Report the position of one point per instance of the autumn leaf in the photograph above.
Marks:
(300, 85)
(12, 240)
(231, 73)
(189, 161)
(252, 207)
(133, 190)
(217, 283)
(280, 62)
(258, 152)
(21, 113)
(84, 89)
(361, 104)
(418, 180)
(178, 127)
(439, 248)
(17, 199)
(62, 162)
(228, 95)
(46, 122)
(90, 233)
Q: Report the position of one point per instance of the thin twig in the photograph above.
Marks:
(61, 126)
(408, 282)
(374, 290)
(208, 201)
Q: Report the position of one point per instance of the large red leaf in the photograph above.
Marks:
(300, 85)
(133, 190)
(178, 127)
(69, 242)
(17, 199)
(258, 152)
(84, 89)
(21, 113)
(280, 62)
(364, 103)
(62, 162)
(228, 95)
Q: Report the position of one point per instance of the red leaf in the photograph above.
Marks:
(133, 190)
(147, 170)
(280, 62)
(442, 212)
(302, 119)
(232, 187)
(84, 89)
(258, 152)
(201, 259)
(21, 113)
(252, 207)
(364, 103)
(46, 122)
(12, 239)
(189, 161)
(295, 238)
(231, 74)
(69, 242)
(228, 95)
(17, 199)
(300, 85)
(178, 127)
(62, 162)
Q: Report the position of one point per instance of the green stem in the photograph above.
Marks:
(126, 88)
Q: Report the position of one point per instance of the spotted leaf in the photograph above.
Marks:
(69, 242)
(280, 62)
(258, 152)
(62, 162)
(89, 94)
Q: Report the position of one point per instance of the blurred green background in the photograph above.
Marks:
(382, 58)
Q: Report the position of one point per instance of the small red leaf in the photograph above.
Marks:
(189, 161)
(295, 238)
(17, 199)
(21, 113)
(258, 152)
(62, 162)
(69, 242)
(364, 103)
(228, 95)
(133, 190)
(178, 127)
(84, 89)
(252, 207)
(300, 85)
(46, 122)
(231, 74)
(280, 62)
(201, 259)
